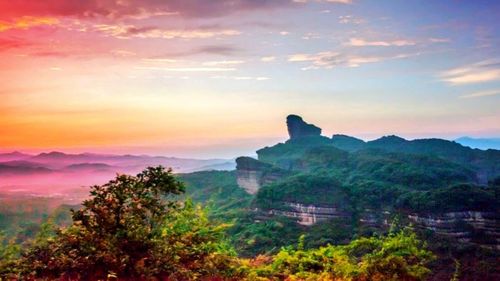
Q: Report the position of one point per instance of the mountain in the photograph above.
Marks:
(90, 167)
(59, 159)
(312, 184)
(13, 156)
(347, 143)
(63, 174)
(7, 170)
(484, 164)
(480, 143)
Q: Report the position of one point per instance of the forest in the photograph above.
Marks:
(133, 227)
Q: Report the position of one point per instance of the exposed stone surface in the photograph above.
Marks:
(310, 214)
(461, 225)
(458, 225)
(297, 128)
(248, 180)
(375, 218)
(251, 174)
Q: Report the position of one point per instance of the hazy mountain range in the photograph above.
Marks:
(56, 173)
(68, 175)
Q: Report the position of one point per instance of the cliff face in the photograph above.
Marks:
(482, 228)
(249, 180)
(310, 214)
(251, 174)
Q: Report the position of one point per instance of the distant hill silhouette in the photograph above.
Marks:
(481, 143)
(42, 173)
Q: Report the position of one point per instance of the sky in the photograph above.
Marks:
(195, 78)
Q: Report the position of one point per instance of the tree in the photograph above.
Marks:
(132, 228)
(397, 256)
(9, 252)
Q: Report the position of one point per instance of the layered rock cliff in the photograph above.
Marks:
(310, 214)
(251, 174)
(481, 228)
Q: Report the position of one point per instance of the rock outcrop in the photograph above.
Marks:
(310, 214)
(251, 174)
(297, 128)
(464, 226)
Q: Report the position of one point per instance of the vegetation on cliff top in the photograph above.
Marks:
(133, 227)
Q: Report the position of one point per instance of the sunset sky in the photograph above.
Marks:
(199, 78)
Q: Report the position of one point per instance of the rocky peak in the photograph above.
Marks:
(297, 128)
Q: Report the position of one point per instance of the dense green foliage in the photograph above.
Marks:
(376, 179)
(398, 256)
(463, 197)
(218, 191)
(283, 154)
(9, 252)
(375, 182)
(130, 229)
(368, 184)
(318, 190)
(481, 162)
(133, 227)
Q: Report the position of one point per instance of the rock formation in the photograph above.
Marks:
(463, 226)
(297, 128)
(251, 174)
(310, 214)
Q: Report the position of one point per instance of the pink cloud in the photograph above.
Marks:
(114, 9)
(12, 43)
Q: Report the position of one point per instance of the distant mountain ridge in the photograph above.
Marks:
(58, 160)
(480, 143)
(45, 172)
(485, 163)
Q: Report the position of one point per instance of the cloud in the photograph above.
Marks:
(49, 53)
(481, 94)
(311, 35)
(12, 43)
(268, 58)
(130, 31)
(225, 50)
(439, 40)
(159, 60)
(223, 62)
(114, 9)
(349, 19)
(255, 78)
(122, 53)
(329, 59)
(27, 22)
(327, 1)
(172, 65)
(480, 72)
(187, 69)
(339, 1)
(358, 42)
(218, 50)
